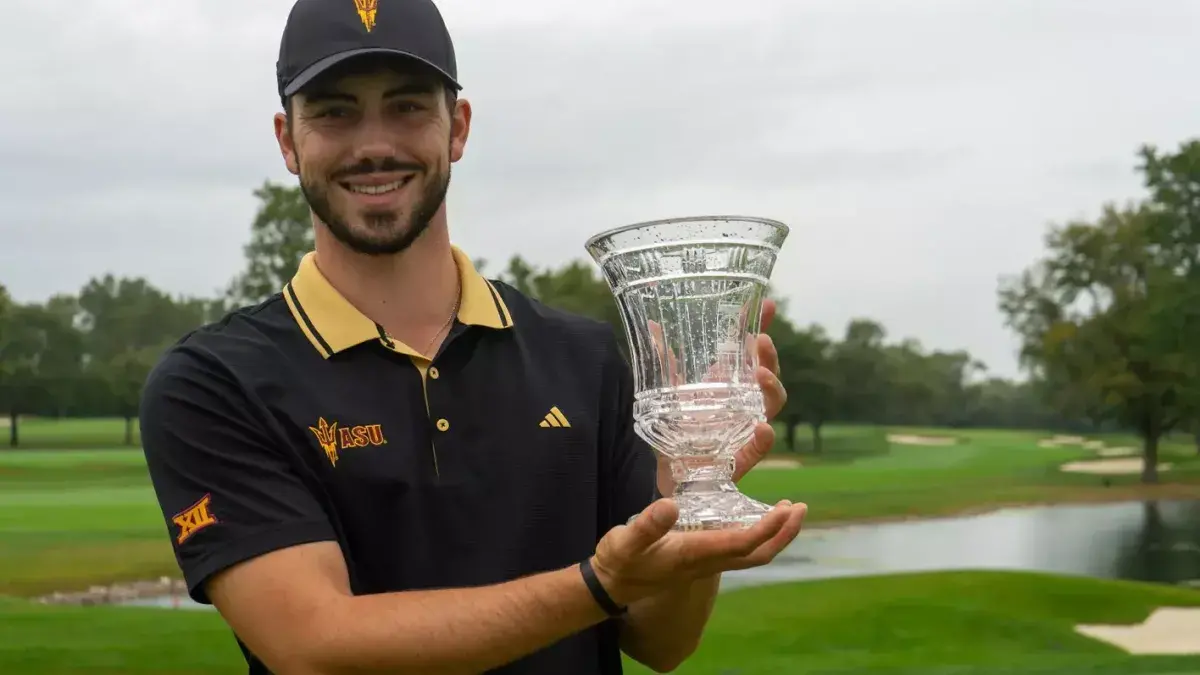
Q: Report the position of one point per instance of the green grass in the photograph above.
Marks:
(953, 622)
(73, 518)
(960, 623)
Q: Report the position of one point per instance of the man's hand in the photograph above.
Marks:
(643, 558)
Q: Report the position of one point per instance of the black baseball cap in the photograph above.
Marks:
(321, 34)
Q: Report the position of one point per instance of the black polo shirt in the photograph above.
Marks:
(299, 419)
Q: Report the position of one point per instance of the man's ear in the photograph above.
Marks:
(460, 128)
(287, 145)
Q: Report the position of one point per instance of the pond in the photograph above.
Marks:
(1143, 541)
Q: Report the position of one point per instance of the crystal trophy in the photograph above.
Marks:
(690, 294)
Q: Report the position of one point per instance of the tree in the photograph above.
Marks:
(40, 359)
(1088, 315)
(861, 372)
(126, 324)
(279, 237)
(806, 370)
(1173, 180)
(575, 287)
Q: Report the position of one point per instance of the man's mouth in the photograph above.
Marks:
(374, 187)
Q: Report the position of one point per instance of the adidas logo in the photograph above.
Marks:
(555, 418)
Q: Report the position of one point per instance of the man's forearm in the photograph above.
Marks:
(453, 631)
(663, 630)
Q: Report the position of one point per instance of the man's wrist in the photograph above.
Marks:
(599, 583)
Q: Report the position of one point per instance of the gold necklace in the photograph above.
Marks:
(449, 321)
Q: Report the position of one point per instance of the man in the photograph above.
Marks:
(395, 465)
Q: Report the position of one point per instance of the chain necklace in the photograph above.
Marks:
(449, 321)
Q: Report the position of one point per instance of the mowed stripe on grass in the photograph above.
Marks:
(69, 520)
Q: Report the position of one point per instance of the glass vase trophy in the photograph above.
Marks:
(690, 293)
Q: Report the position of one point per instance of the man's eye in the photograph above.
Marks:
(334, 112)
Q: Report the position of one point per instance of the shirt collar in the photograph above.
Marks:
(332, 324)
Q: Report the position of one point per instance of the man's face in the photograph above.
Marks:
(372, 147)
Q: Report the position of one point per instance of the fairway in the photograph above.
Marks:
(73, 518)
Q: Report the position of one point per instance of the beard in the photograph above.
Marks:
(383, 232)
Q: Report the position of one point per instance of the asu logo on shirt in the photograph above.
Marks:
(334, 439)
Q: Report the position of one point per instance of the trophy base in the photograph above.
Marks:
(717, 510)
(715, 506)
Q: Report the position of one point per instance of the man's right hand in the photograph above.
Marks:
(640, 559)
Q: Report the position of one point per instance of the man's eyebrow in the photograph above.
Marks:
(324, 96)
(409, 89)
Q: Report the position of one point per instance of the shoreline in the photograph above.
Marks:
(126, 591)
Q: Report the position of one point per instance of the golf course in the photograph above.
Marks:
(77, 511)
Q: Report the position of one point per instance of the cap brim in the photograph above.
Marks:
(310, 73)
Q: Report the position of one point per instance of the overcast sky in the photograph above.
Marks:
(917, 148)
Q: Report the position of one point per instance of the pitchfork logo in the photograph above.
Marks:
(334, 438)
(366, 12)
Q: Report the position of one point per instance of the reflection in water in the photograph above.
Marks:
(1154, 541)
(1157, 542)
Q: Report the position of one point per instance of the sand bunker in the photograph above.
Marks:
(1110, 467)
(1060, 441)
(1071, 441)
(1100, 449)
(775, 463)
(921, 440)
(1168, 630)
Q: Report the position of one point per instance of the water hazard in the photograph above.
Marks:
(1153, 541)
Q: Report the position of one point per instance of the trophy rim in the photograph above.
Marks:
(591, 242)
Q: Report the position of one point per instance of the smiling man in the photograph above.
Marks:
(358, 472)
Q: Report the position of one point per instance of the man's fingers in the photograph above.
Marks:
(768, 354)
(774, 394)
(651, 525)
(768, 313)
(754, 451)
(717, 549)
(793, 521)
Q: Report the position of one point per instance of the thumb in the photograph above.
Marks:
(651, 524)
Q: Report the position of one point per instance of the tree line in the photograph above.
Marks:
(1108, 319)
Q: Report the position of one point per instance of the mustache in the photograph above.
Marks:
(368, 166)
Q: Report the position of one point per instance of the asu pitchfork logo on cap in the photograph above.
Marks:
(366, 12)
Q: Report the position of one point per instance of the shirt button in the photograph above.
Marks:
(442, 424)
(433, 373)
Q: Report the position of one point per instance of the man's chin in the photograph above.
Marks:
(364, 239)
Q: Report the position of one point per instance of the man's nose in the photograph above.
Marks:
(374, 141)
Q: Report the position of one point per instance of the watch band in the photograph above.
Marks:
(602, 597)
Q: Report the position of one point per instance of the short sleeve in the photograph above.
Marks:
(632, 472)
(227, 489)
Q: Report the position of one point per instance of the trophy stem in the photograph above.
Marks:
(707, 497)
